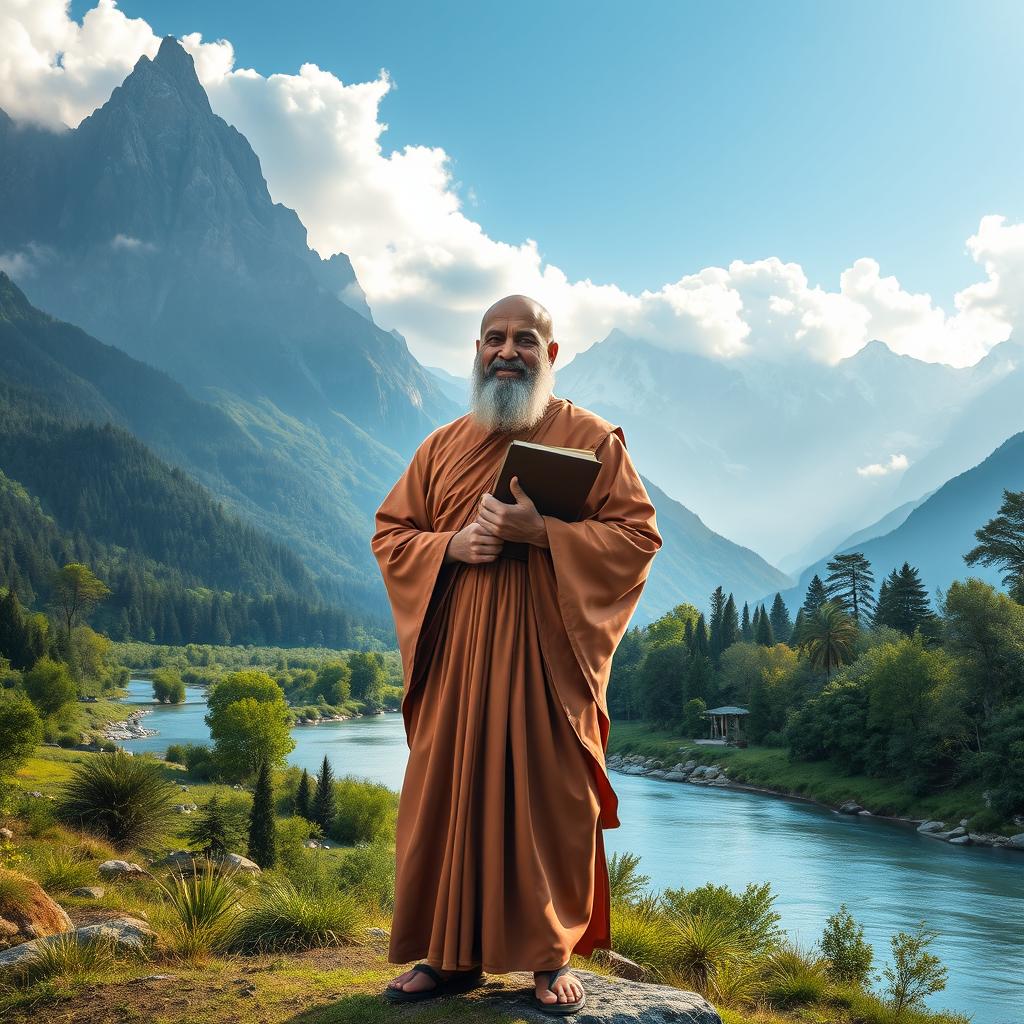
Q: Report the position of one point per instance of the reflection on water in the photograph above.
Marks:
(889, 876)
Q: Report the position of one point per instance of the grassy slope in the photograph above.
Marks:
(770, 767)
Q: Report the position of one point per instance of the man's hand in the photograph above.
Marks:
(473, 543)
(519, 522)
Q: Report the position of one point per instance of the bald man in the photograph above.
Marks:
(500, 862)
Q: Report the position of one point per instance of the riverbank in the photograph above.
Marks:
(768, 770)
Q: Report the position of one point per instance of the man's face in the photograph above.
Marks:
(515, 340)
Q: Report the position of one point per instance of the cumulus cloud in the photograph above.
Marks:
(896, 464)
(428, 269)
(120, 241)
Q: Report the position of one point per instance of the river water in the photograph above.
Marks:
(889, 876)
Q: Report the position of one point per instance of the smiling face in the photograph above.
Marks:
(512, 372)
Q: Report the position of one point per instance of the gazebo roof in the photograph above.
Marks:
(727, 710)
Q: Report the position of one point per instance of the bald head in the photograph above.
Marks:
(520, 307)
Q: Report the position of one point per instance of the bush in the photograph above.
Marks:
(842, 943)
(282, 917)
(121, 798)
(175, 753)
(794, 977)
(67, 740)
(368, 873)
(365, 811)
(21, 730)
(199, 761)
(749, 914)
(50, 687)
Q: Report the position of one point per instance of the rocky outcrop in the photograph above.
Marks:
(128, 935)
(26, 912)
(690, 771)
(129, 728)
(609, 1001)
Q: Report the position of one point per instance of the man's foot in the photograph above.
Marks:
(567, 988)
(416, 981)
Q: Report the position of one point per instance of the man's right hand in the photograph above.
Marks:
(473, 544)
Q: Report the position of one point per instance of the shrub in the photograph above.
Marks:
(750, 914)
(368, 872)
(365, 811)
(199, 761)
(281, 917)
(124, 799)
(625, 881)
(60, 869)
(915, 973)
(849, 957)
(175, 753)
(702, 945)
(205, 906)
(67, 740)
(794, 977)
(21, 730)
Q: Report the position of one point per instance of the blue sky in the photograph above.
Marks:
(639, 142)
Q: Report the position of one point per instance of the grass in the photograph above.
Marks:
(770, 767)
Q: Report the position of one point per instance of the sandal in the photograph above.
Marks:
(558, 1009)
(457, 982)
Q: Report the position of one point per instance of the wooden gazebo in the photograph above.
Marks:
(726, 721)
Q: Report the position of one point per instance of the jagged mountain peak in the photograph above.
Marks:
(171, 73)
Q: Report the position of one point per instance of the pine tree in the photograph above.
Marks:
(322, 811)
(262, 847)
(688, 634)
(216, 829)
(782, 626)
(730, 624)
(765, 635)
(745, 629)
(815, 598)
(716, 622)
(903, 602)
(302, 796)
(796, 638)
(701, 641)
(850, 583)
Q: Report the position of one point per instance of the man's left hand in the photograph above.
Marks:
(518, 522)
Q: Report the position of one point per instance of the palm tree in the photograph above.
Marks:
(829, 635)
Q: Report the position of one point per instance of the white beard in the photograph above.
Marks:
(510, 404)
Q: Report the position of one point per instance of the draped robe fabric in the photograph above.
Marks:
(499, 854)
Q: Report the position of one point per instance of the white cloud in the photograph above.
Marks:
(120, 241)
(429, 269)
(896, 464)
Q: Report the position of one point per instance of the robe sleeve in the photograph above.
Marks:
(602, 562)
(410, 555)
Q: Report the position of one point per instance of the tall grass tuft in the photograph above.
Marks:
(126, 800)
(278, 917)
(700, 946)
(794, 977)
(205, 906)
(61, 869)
(65, 957)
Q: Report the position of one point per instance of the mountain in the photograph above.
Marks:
(75, 375)
(936, 534)
(769, 452)
(457, 389)
(693, 560)
(150, 226)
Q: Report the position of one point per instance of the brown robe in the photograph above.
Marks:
(499, 854)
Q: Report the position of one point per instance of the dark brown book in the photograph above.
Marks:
(558, 481)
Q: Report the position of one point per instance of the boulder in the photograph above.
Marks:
(1016, 842)
(121, 869)
(850, 807)
(960, 840)
(89, 892)
(30, 914)
(931, 826)
(609, 999)
(619, 965)
(240, 863)
(128, 934)
(674, 776)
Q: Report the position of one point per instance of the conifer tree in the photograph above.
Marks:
(815, 598)
(796, 638)
(850, 583)
(262, 846)
(701, 641)
(688, 634)
(302, 796)
(782, 626)
(730, 624)
(716, 622)
(745, 629)
(903, 602)
(322, 811)
(765, 636)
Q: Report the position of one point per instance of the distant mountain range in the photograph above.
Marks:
(228, 348)
(769, 453)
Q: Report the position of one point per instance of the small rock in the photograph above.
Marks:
(850, 807)
(6, 833)
(240, 863)
(378, 933)
(960, 841)
(121, 869)
(931, 826)
(864, 814)
(89, 892)
(619, 965)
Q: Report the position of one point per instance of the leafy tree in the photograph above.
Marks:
(75, 591)
(168, 687)
(782, 626)
(1000, 766)
(903, 603)
(916, 973)
(249, 722)
(21, 731)
(850, 582)
(369, 676)
(815, 597)
(50, 687)
(1001, 542)
(217, 828)
(334, 682)
(262, 845)
(694, 722)
(303, 797)
(661, 683)
(849, 956)
(764, 635)
(829, 635)
(323, 809)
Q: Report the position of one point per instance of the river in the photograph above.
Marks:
(889, 876)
